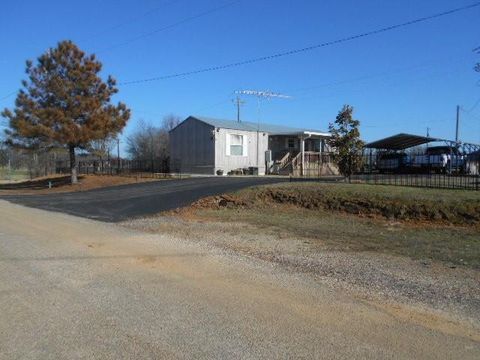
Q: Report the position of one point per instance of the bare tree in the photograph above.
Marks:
(102, 148)
(150, 143)
(170, 121)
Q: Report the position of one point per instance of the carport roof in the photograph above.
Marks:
(400, 142)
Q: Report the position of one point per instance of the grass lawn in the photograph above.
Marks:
(440, 225)
(14, 175)
(461, 207)
(341, 232)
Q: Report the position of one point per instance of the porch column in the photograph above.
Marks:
(302, 150)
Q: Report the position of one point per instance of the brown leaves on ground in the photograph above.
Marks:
(62, 184)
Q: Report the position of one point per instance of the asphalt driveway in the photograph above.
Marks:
(126, 201)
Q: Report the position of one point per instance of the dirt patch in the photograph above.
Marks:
(59, 184)
(220, 201)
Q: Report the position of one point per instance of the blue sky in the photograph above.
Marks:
(400, 81)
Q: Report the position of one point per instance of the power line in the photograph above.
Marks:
(470, 114)
(8, 95)
(132, 20)
(167, 27)
(374, 75)
(305, 49)
(339, 93)
(180, 22)
(472, 107)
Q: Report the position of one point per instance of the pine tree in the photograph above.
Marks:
(65, 103)
(345, 141)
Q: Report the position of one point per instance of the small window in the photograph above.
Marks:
(291, 143)
(236, 144)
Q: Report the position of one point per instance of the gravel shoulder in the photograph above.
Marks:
(424, 284)
(94, 290)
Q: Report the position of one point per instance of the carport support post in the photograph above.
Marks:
(302, 150)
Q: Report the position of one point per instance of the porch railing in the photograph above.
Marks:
(284, 160)
(311, 164)
(314, 164)
(311, 158)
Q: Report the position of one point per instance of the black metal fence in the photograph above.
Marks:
(23, 165)
(433, 180)
(16, 164)
(119, 166)
(442, 170)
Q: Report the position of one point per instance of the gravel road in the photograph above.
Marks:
(74, 288)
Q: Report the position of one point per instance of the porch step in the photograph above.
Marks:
(285, 171)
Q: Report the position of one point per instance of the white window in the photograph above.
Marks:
(236, 145)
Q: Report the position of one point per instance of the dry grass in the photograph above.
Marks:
(62, 184)
(437, 225)
(455, 207)
(324, 231)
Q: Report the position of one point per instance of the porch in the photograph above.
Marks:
(301, 154)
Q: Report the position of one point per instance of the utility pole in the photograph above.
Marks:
(428, 134)
(458, 124)
(238, 102)
(118, 155)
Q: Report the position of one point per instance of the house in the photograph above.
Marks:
(201, 145)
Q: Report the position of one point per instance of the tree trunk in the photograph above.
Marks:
(73, 164)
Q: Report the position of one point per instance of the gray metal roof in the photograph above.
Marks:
(400, 142)
(404, 141)
(251, 126)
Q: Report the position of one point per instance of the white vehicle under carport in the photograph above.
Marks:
(439, 159)
(414, 154)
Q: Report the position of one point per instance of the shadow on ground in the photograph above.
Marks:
(38, 184)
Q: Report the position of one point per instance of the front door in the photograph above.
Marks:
(310, 145)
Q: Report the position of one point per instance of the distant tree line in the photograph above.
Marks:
(151, 143)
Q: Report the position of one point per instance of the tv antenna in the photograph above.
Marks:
(261, 95)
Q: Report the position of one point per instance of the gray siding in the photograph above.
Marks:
(192, 148)
(227, 162)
